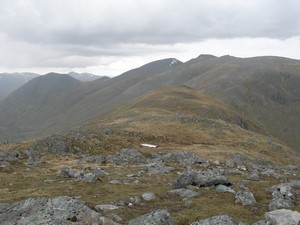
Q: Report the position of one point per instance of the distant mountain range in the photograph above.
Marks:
(12, 81)
(265, 91)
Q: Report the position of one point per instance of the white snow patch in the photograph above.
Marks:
(149, 145)
(174, 61)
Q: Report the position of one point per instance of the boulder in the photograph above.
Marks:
(52, 211)
(9, 156)
(282, 197)
(218, 220)
(223, 188)
(156, 168)
(201, 179)
(148, 196)
(89, 178)
(80, 175)
(245, 197)
(283, 217)
(184, 158)
(101, 208)
(128, 156)
(157, 217)
(70, 173)
(184, 193)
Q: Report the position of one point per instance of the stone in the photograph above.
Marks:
(245, 197)
(62, 210)
(253, 176)
(282, 197)
(157, 217)
(156, 168)
(184, 193)
(89, 178)
(9, 156)
(218, 220)
(223, 188)
(201, 179)
(115, 182)
(148, 196)
(101, 208)
(128, 156)
(70, 173)
(183, 158)
(283, 217)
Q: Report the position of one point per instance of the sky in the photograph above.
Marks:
(109, 37)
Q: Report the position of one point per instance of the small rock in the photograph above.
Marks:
(283, 217)
(184, 193)
(253, 176)
(89, 178)
(223, 188)
(70, 173)
(218, 220)
(148, 196)
(101, 208)
(115, 182)
(245, 198)
(157, 217)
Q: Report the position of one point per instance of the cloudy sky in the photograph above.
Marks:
(108, 37)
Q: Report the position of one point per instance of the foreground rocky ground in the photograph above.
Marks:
(55, 182)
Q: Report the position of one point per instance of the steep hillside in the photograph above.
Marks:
(63, 102)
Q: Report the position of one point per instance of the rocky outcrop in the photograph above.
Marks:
(282, 197)
(157, 217)
(128, 156)
(218, 220)
(184, 158)
(184, 193)
(223, 188)
(9, 156)
(245, 197)
(201, 179)
(283, 217)
(79, 175)
(60, 210)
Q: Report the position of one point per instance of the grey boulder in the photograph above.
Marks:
(245, 197)
(283, 217)
(218, 220)
(51, 211)
(157, 217)
(201, 179)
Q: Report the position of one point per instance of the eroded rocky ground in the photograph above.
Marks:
(56, 181)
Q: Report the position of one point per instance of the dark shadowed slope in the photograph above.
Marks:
(59, 102)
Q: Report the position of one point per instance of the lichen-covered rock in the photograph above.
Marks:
(155, 168)
(283, 217)
(52, 211)
(282, 197)
(184, 193)
(218, 220)
(223, 188)
(128, 156)
(157, 217)
(183, 158)
(201, 179)
(148, 196)
(245, 197)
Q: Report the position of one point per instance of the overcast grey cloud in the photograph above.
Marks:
(103, 36)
